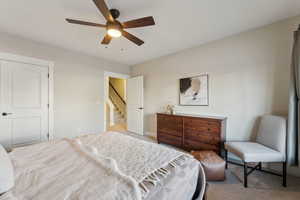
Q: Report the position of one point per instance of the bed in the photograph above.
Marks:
(110, 165)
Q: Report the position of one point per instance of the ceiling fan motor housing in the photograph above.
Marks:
(115, 13)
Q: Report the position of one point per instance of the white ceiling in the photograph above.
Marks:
(180, 24)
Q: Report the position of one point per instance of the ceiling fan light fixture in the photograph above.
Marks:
(114, 32)
(114, 29)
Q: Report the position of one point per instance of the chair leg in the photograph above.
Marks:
(245, 175)
(259, 167)
(284, 174)
(226, 159)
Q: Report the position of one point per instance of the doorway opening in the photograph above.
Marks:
(123, 103)
(115, 102)
(116, 105)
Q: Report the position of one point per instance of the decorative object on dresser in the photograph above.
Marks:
(213, 165)
(191, 132)
(170, 109)
(194, 91)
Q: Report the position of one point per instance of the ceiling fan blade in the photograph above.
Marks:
(145, 21)
(106, 40)
(74, 21)
(101, 5)
(132, 38)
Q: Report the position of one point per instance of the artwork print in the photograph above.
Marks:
(194, 91)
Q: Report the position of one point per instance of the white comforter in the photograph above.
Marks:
(61, 170)
(107, 166)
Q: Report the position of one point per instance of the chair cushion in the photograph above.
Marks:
(254, 152)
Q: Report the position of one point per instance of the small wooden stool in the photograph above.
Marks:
(214, 165)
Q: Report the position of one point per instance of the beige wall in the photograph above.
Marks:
(248, 77)
(120, 85)
(78, 84)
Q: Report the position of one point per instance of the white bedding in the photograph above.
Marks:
(61, 170)
(105, 166)
(181, 183)
(6, 171)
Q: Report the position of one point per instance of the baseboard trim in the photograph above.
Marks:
(151, 134)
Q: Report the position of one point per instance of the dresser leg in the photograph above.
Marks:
(259, 166)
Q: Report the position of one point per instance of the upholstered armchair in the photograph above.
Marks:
(270, 146)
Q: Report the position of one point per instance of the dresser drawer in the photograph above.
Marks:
(195, 145)
(210, 124)
(172, 125)
(204, 137)
(202, 129)
(169, 139)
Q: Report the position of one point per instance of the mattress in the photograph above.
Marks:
(184, 182)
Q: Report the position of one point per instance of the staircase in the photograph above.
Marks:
(119, 105)
(119, 118)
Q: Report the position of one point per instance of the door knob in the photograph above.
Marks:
(140, 108)
(5, 114)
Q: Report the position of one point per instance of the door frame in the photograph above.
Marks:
(108, 74)
(43, 63)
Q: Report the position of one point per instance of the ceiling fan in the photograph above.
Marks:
(115, 28)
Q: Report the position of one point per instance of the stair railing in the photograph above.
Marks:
(117, 100)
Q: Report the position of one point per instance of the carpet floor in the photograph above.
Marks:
(260, 186)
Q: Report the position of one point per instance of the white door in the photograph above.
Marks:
(135, 105)
(23, 103)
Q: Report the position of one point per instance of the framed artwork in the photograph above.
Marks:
(194, 91)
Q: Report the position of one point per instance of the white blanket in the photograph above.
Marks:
(106, 166)
(136, 158)
(63, 170)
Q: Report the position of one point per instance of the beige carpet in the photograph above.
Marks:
(260, 186)
(122, 127)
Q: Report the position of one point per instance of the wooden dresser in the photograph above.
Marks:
(191, 132)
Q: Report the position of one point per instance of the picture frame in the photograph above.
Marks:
(194, 91)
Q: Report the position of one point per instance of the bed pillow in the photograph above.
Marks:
(6, 171)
